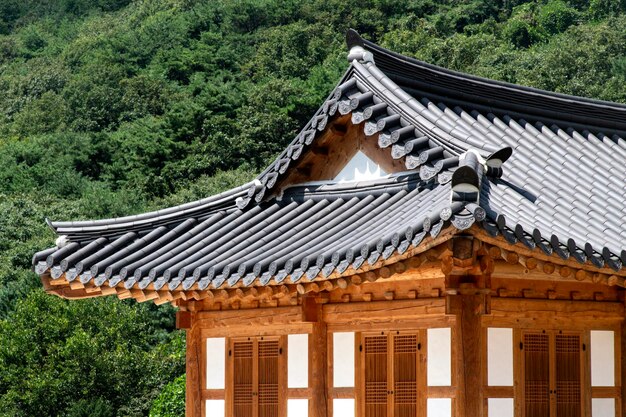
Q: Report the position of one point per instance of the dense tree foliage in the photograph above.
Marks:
(113, 107)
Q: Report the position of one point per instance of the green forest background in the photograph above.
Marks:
(114, 107)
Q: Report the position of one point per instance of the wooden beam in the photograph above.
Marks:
(310, 310)
(390, 312)
(569, 308)
(183, 320)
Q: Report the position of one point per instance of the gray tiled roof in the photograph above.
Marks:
(310, 229)
(561, 191)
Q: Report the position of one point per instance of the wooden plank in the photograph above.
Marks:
(343, 392)
(227, 318)
(359, 372)
(563, 322)
(552, 364)
(605, 392)
(585, 366)
(426, 322)
(388, 311)
(503, 306)
(498, 392)
(282, 375)
(619, 364)
(213, 394)
(390, 375)
(560, 289)
(440, 392)
(245, 329)
(230, 367)
(257, 322)
(255, 379)
(299, 393)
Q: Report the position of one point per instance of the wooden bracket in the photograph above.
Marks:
(309, 310)
(183, 320)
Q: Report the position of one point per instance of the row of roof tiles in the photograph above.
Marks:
(311, 230)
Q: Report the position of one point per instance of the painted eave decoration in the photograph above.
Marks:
(536, 175)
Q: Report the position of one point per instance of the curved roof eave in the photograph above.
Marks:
(150, 220)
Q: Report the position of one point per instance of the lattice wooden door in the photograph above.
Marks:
(405, 375)
(256, 385)
(568, 376)
(537, 375)
(390, 374)
(552, 374)
(376, 378)
(268, 353)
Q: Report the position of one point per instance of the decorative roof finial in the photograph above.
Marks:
(61, 241)
(359, 54)
(357, 50)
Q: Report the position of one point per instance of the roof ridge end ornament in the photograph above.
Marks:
(465, 189)
(50, 224)
(493, 163)
(466, 183)
(467, 177)
(255, 187)
(62, 241)
(357, 49)
(360, 54)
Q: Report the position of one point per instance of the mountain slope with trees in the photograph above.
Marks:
(114, 107)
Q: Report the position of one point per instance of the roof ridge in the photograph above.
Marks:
(154, 218)
(497, 94)
(388, 181)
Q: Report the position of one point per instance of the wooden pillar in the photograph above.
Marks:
(622, 411)
(472, 307)
(318, 354)
(468, 267)
(193, 395)
(469, 359)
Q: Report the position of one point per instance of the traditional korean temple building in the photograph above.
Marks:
(430, 244)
